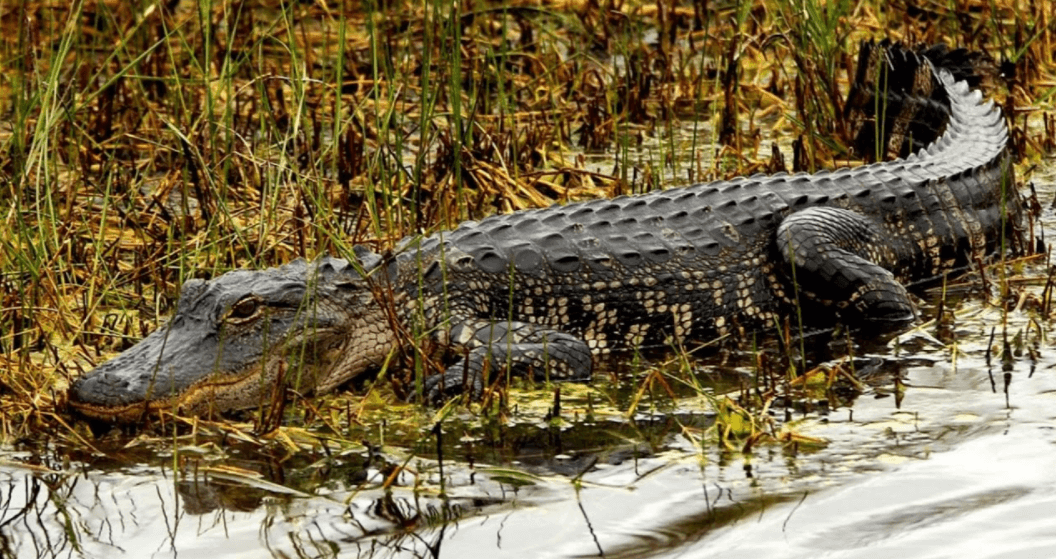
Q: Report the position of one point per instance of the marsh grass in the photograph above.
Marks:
(143, 144)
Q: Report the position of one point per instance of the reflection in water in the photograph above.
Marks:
(203, 497)
(35, 516)
(994, 496)
(300, 506)
(47, 514)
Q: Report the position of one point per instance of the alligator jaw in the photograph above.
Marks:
(173, 370)
(251, 387)
(88, 395)
(201, 399)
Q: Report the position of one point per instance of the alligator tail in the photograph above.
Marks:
(899, 88)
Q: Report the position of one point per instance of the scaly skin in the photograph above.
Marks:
(542, 292)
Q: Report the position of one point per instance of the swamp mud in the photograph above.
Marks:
(143, 144)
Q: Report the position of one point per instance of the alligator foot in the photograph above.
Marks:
(518, 348)
(833, 255)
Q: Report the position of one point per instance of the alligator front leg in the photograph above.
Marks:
(834, 255)
(520, 348)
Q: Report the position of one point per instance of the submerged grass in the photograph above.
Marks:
(144, 144)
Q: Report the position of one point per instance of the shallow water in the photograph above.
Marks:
(963, 464)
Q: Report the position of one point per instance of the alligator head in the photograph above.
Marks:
(310, 326)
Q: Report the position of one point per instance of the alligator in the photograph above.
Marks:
(545, 292)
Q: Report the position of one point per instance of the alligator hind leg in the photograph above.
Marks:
(836, 255)
(518, 347)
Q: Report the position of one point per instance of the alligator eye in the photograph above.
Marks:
(244, 309)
